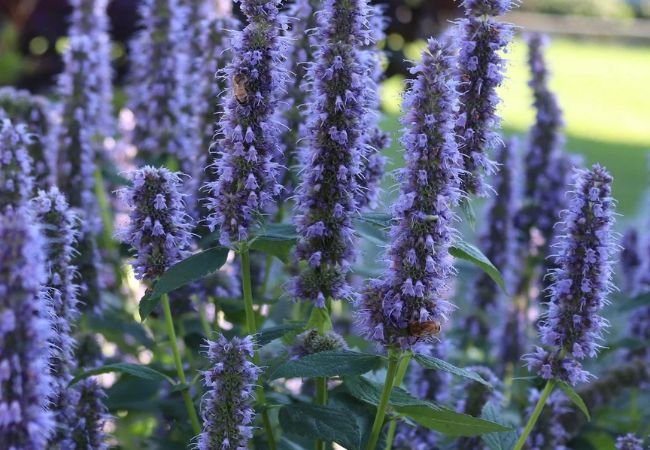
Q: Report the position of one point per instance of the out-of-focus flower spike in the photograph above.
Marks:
(631, 260)
(629, 442)
(16, 180)
(89, 430)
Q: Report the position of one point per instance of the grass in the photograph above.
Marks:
(602, 89)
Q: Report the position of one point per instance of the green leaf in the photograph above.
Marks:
(425, 413)
(429, 362)
(186, 271)
(327, 364)
(270, 334)
(497, 441)
(636, 302)
(380, 220)
(468, 211)
(319, 319)
(449, 422)
(370, 231)
(277, 239)
(462, 250)
(575, 398)
(144, 372)
(321, 422)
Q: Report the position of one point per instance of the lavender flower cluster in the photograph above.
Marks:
(481, 70)
(16, 181)
(581, 282)
(226, 408)
(408, 305)
(336, 119)
(246, 165)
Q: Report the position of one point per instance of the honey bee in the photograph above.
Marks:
(424, 329)
(239, 88)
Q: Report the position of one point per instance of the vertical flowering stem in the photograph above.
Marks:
(548, 389)
(189, 405)
(393, 363)
(399, 378)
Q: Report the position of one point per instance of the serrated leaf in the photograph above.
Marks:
(463, 250)
(184, 272)
(429, 362)
(370, 392)
(277, 240)
(574, 397)
(497, 441)
(321, 422)
(270, 334)
(328, 364)
(139, 371)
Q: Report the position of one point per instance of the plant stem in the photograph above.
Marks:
(189, 405)
(321, 382)
(393, 361)
(251, 326)
(399, 378)
(550, 384)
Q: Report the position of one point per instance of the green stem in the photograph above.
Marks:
(251, 326)
(321, 382)
(393, 362)
(399, 378)
(189, 405)
(550, 384)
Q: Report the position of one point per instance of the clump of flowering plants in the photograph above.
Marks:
(228, 294)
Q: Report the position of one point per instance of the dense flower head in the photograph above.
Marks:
(545, 142)
(498, 243)
(230, 383)
(246, 163)
(408, 305)
(429, 385)
(16, 180)
(581, 281)
(60, 232)
(331, 162)
(91, 415)
(25, 381)
(312, 341)
(159, 228)
(550, 432)
(629, 442)
(34, 111)
(481, 71)
(631, 260)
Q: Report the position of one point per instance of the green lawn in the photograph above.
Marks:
(604, 91)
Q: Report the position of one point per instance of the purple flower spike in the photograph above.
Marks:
(498, 242)
(246, 165)
(337, 118)
(544, 148)
(630, 260)
(408, 305)
(25, 381)
(581, 281)
(88, 432)
(227, 406)
(629, 442)
(60, 233)
(159, 229)
(481, 73)
(16, 180)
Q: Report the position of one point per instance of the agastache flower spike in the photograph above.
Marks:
(25, 381)
(246, 164)
(629, 442)
(336, 119)
(498, 242)
(159, 228)
(34, 111)
(373, 163)
(581, 282)
(481, 69)
(545, 142)
(227, 406)
(88, 431)
(630, 260)
(407, 305)
(60, 233)
(16, 180)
